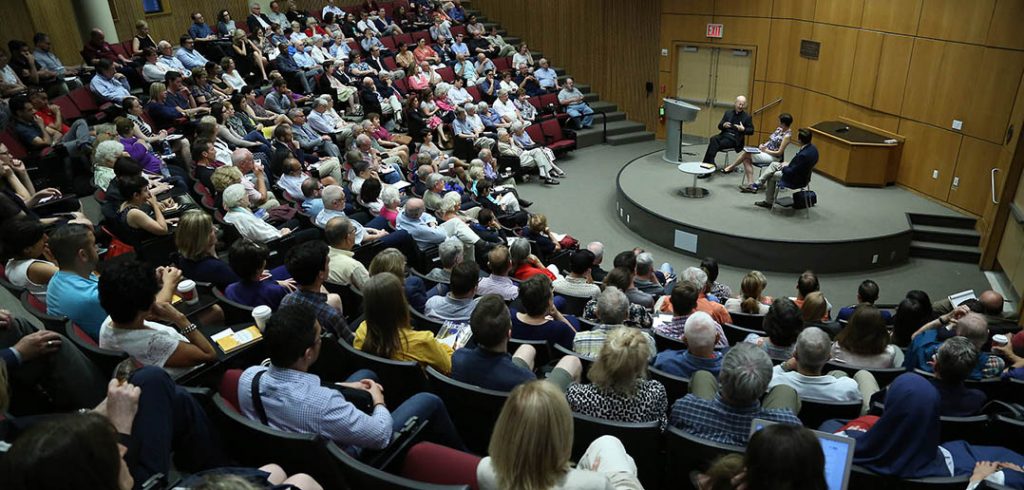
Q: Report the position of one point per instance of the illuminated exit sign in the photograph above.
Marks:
(715, 30)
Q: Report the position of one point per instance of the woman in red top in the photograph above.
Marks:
(524, 264)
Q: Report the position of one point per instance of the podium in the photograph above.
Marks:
(676, 112)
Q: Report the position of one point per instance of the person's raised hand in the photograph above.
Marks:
(288, 284)
(37, 344)
(166, 312)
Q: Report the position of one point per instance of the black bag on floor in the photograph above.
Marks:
(804, 199)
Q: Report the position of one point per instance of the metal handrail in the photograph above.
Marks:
(776, 101)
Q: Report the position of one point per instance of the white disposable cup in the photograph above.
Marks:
(1000, 339)
(187, 291)
(260, 315)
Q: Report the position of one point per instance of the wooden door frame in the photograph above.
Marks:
(990, 248)
(674, 62)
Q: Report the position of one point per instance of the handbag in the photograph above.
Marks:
(804, 199)
(569, 243)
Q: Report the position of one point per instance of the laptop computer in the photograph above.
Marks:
(838, 454)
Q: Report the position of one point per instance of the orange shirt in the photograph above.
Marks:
(716, 310)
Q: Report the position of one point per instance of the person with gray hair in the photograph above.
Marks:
(525, 264)
(450, 254)
(435, 191)
(803, 372)
(455, 225)
(422, 226)
(375, 230)
(106, 153)
(963, 323)
(343, 269)
(327, 122)
(701, 334)
(308, 138)
(696, 277)
(596, 272)
(533, 158)
(469, 127)
(612, 311)
(647, 280)
(387, 166)
(722, 411)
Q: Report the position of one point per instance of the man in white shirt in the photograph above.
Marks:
(505, 108)
(334, 9)
(578, 283)
(803, 372)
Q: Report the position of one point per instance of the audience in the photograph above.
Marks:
(578, 284)
(803, 372)
(782, 324)
(73, 291)
(392, 261)
(340, 235)
(864, 342)
(752, 300)
(498, 282)
(309, 266)
(612, 311)
(620, 278)
(456, 306)
(960, 322)
(255, 286)
(867, 293)
(701, 335)
(539, 319)
(31, 263)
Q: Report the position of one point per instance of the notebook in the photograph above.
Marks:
(228, 340)
(753, 150)
(838, 454)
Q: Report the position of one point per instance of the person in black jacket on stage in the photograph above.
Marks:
(792, 175)
(735, 124)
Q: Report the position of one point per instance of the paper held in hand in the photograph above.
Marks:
(753, 150)
(229, 340)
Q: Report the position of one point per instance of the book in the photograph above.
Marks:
(956, 298)
(229, 340)
(708, 166)
(454, 334)
(753, 150)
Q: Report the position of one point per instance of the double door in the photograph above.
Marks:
(711, 77)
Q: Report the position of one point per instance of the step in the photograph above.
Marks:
(584, 88)
(942, 234)
(558, 71)
(615, 116)
(591, 97)
(512, 40)
(946, 221)
(589, 137)
(943, 251)
(620, 127)
(625, 139)
(603, 106)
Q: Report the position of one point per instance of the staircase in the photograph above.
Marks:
(951, 238)
(613, 128)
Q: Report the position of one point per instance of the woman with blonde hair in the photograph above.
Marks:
(387, 332)
(391, 260)
(751, 300)
(864, 341)
(143, 39)
(815, 308)
(532, 443)
(619, 389)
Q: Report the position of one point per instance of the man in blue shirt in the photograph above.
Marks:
(291, 399)
(203, 34)
(546, 76)
(73, 291)
(49, 60)
(867, 293)
(486, 362)
(188, 56)
(108, 84)
(793, 174)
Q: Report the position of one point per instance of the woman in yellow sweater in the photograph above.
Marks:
(387, 332)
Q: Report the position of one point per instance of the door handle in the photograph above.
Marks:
(994, 200)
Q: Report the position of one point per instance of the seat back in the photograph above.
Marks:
(351, 299)
(423, 322)
(474, 93)
(535, 133)
(417, 35)
(253, 444)
(83, 98)
(388, 42)
(974, 430)
(502, 64)
(234, 312)
(735, 334)
(228, 388)
(544, 354)
(747, 320)
(642, 441)
(863, 478)
(68, 110)
(14, 145)
(401, 379)
(10, 287)
(883, 376)
(552, 131)
(105, 360)
(587, 362)
(685, 452)
(1008, 432)
(676, 387)
(447, 74)
(473, 410)
(574, 305)
(405, 38)
(358, 474)
(664, 342)
(37, 308)
(432, 463)
(813, 413)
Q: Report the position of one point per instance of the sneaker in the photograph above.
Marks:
(763, 204)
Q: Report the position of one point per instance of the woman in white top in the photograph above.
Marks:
(522, 57)
(236, 203)
(153, 70)
(770, 151)
(864, 342)
(532, 443)
(230, 74)
(25, 240)
(751, 301)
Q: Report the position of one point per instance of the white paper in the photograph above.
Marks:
(223, 333)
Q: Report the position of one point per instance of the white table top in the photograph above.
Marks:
(695, 168)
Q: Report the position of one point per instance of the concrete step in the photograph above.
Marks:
(559, 71)
(962, 222)
(603, 106)
(615, 116)
(589, 137)
(625, 139)
(584, 88)
(620, 127)
(591, 97)
(512, 40)
(945, 251)
(942, 234)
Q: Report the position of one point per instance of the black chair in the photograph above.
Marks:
(664, 342)
(106, 360)
(587, 324)
(813, 413)
(747, 320)
(573, 305)
(351, 299)
(544, 351)
(992, 387)
(361, 475)
(1008, 432)
(234, 312)
(427, 283)
(864, 478)
(423, 322)
(37, 308)
(884, 376)
(735, 334)
(675, 386)
(685, 453)
(253, 444)
(586, 361)
(401, 379)
(1012, 391)
(473, 410)
(642, 441)
(971, 429)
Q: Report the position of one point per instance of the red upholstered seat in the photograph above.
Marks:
(447, 74)
(388, 42)
(432, 463)
(81, 335)
(502, 64)
(555, 138)
(475, 93)
(228, 388)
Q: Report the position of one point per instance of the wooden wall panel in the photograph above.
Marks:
(893, 65)
(747, 8)
(680, 28)
(831, 72)
(942, 74)
(974, 165)
(820, 107)
(797, 66)
(999, 75)
(866, 58)
(172, 25)
(688, 7)
(874, 118)
(794, 9)
(898, 16)
(956, 20)
(16, 23)
(1005, 30)
(927, 149)
(746, 31)
(841, 12)
(52, 17)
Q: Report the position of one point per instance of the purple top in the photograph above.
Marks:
(140, 154)
(254, 294)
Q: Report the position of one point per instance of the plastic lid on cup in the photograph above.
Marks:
(261, 311)
(186, 285)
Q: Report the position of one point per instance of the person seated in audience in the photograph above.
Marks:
(153, 70)
(179, 96)
(392, 261)
(141, 215)
(48, 60)
(597, 272)
(109, 84)
(793, 174)
(990, 304)
(814, 312)
(106, 153)
(769, 152)
(612, 311)
(449, 255)
(10, 83)
(126, 167)
(619, 390)
(912, 313)
(864, 342)
(777, 456)
(960, 323)
(73, 290)
(699, 280)
(196, 241)
(129, 293)
(535, 426)
(803, 372)
(30, 265)
(905, 441)
(422, 226)
(721, 410)
(255, 286)
(548, 243)
(647, 279)
(309, 266)
(457, 305)
(345, 270)
(539, 319)
(387, 331)
(526, 265)
(55, 126)
(701, 334)
(498, 282)
(375, 230)
(294, 400)
(752, 300)
(169, 60)
(867, 293)
(529, 158)
(620, 278)
(36, 134)
(141, 152)
(239, 215)
(782, 323)
(578, 284)
(572, 99)
(954, 361)
(684, 304)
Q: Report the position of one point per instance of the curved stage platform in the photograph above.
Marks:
(851, 228)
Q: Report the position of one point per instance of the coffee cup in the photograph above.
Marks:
(260, 314)
(1000, 339)
(187, 291)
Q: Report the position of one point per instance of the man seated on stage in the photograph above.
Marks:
(735, 124)
(793, 174)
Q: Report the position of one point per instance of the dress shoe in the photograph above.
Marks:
(550, 181)
(523, 203)
(763, 204)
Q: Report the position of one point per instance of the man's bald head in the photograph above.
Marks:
(741, 103)
(414, 207)
(992, 301)
(973, 327)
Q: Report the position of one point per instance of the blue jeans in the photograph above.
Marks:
(399, 239)
(256, 136)
(426, 406)
(581, 113)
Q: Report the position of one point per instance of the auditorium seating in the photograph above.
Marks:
(473, 410)
(642, 441)
(403, 379)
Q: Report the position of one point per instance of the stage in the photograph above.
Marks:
(851, 228)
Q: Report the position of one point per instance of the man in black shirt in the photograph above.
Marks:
(735, 124)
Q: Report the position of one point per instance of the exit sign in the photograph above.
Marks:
(715, 30)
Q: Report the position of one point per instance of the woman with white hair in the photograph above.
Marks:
(391, 200)
(529, 158)
(236, 203)
(106, 153)
(454, 225)
(619, 389)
